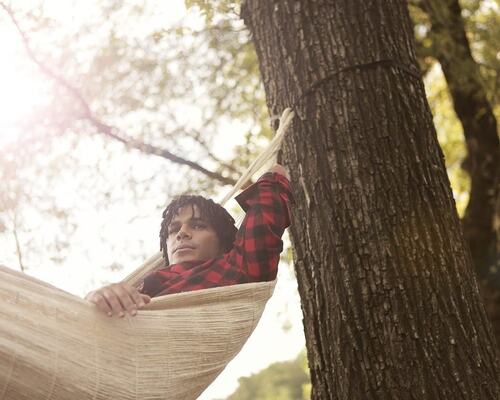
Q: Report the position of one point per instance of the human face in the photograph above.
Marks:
(191, 238)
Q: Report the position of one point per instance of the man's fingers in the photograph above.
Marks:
(125, 298)
(106, 301)
(114, 302)
(100, 301)
(118, 298)
(137, 297)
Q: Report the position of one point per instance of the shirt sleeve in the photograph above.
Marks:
(257, 246)
(258, 243)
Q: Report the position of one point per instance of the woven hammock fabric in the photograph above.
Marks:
(56, 346)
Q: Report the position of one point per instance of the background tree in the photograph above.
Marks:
(388, 293)
(280, 381)
(448, 43)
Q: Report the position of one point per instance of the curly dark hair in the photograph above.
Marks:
(216, 215)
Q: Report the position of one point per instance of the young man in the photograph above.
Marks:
(203, 248)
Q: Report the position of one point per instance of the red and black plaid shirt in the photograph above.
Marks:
(256, 251)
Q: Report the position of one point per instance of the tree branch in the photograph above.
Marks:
(107, 130)
(196, 135)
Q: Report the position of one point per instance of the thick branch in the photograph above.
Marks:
(108, 130)
(150, 149)
(197, 137)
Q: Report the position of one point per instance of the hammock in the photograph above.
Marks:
(56, 346)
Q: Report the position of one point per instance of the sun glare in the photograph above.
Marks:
(20, 83)
(23, 86)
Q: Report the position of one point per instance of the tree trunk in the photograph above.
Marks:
(451, 48)
(389, 296)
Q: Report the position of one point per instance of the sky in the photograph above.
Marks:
(279, 335)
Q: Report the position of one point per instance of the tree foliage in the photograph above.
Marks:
(280, 381)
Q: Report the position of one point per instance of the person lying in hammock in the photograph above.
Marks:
(203, 248)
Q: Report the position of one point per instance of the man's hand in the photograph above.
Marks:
(118, 299)
(280, 169)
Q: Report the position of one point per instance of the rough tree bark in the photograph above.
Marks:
(389, 296)
(451, 48)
